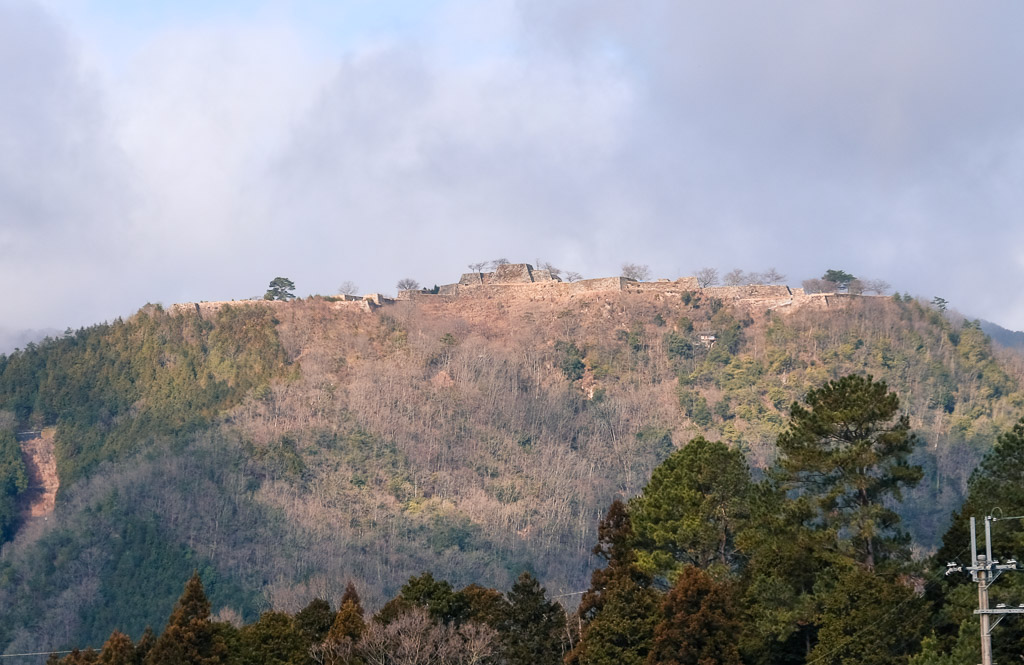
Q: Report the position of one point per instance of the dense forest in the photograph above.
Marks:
(283, 451)
(705, 566)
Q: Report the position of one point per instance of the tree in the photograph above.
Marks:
(546, 265)
(940, 303)
(636, 272)
(118, 650)
(348, 288)
(619, 611)
(280, 289)
(478, 266)
(573, 276)
(189, 636)
(699, 626)
(707, 277)
(876, 286)
(818, 286)
(692, 509)
(868, 620)
(848, 452)
(408, 284)
(856, 287)
(532, 633)
(314, 620)
(497, 263)
(840, 278)
(274, 640)
(773, 276)
(735, 277)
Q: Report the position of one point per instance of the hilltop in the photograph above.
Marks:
(284, 448)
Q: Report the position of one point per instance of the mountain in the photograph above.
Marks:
(1011, 339)
(284, 448)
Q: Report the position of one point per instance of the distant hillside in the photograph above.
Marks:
(1012, 339)
(284, 448)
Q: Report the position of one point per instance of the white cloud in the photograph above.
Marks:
(878, 138)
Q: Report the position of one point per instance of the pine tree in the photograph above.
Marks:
(699, 627)
(868, 620)
(189, 638)
(692, 509)
(619, 611)
(848, 451)
(533, 633)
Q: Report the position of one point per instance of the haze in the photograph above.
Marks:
(188, 152)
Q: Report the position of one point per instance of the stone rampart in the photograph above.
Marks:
(748, 291)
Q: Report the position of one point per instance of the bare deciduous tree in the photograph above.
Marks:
(735, 277)
(478, 266)
(348, 288)
(408, 284)
(773, 276)
(636, 272)
(818, 286)
(707, 277)
(573, 276)
(877, 286)
(497, 263)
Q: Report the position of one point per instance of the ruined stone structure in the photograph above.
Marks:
(522, 279)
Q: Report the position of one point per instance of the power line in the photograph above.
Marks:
(35, 653)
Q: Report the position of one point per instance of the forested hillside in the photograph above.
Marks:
(284, 451)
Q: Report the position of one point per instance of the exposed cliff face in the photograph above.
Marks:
(37, 448)
(471, 436)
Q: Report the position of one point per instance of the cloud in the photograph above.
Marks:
(877, 138)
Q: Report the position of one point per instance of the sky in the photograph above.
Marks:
(176, 152)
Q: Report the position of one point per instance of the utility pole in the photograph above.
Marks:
(985, 570)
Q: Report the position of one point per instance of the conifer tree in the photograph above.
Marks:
(189, 638)
(619, 611)
(315, 619)
(274, 640)
(533, 633)
(348, 623)
(118, 650)
(692, 509)
(868, 619)
(848, 451)
(351, 595)
(699, 627)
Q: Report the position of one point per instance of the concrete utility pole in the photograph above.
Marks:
(984, 570)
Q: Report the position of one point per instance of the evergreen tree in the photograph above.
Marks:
(280, 289)
(315, 619)
(189, 638)
(351, 595)
(848, 451)
(867, 619)
(619, 611)
(274, 640)
(692, 509)
(787, 554)
(533, 633)
(144, 645)
(699, 627)
(348, 623)
(486, 606)
(118, 650)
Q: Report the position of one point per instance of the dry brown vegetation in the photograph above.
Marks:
(453, 436)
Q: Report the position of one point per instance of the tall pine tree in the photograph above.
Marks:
(619, 611)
